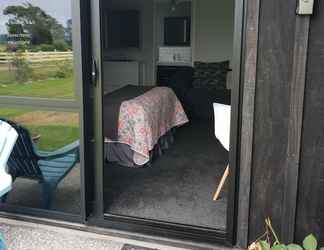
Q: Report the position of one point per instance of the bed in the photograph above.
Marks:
(138, 121)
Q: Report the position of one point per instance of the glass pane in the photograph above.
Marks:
(37, 176)
(36, 54)
(163, 117)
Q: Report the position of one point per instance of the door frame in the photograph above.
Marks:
(50, 104)
(153, 227)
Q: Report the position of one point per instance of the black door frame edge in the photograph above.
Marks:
(236, 119)
(165, 229)
(19, 213)
(248, 88)
(102, 229)
(151, 226)
(81, 74)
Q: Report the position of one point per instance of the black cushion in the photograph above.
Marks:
(200, 101)
(181, 82)
(210, 75)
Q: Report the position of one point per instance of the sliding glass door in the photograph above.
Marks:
(157, 159)
(41, 95)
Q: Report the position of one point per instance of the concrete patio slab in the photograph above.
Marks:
(29, 236)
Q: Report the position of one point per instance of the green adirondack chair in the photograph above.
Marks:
(49, 168)
(2, 243)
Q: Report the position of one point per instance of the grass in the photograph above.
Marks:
(54, 137)
(43, 81)
(53, 134)
(3, 47)
(50, 88)
(10, 114)
(39, 71)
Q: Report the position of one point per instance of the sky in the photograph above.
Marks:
(59, 9)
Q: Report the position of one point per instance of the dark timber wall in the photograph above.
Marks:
(274, 65)
(310, 211)
(287, 166)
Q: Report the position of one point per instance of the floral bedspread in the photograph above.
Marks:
(144, 119)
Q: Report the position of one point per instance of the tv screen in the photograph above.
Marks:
(123, 29)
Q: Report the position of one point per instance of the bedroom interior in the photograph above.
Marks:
(165, 65)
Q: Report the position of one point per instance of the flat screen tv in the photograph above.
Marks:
(123, 29)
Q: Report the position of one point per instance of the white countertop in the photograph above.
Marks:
(174, 64)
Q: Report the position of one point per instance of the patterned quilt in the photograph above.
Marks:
(144, 119)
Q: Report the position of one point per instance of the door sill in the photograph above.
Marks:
(165, 229)
(101, 227)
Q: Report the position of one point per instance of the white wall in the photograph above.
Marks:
(213, 27)
(146, 53)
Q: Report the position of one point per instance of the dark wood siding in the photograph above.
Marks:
(275, 57)
(310, 210)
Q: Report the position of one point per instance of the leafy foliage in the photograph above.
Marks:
(30, 19)
(61, 46)
(46, 47)
(64, 69)
(23, 71)
(270, 241)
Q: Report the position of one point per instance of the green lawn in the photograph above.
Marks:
(3, 47)
(53, 135)
(54, 88)
(11, 113)
(43, 80)
(7, 76)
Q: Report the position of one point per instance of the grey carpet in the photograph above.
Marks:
(178, 187)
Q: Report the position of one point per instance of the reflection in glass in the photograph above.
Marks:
(45, 160)
(36, 55)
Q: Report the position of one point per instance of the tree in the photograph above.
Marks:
(68, 32)
(32, 20)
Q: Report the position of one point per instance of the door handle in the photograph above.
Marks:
(94, 73)
(185, 31)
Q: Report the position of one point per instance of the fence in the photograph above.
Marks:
(36, 57)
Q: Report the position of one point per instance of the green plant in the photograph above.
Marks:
(34, 48)
(64, 69)
(61, 46)
(47, 47)
(22, 47)
(22, 70)
(270, 241)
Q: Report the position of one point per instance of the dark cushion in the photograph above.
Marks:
(210, 75)
(181, 82)
(199, 102)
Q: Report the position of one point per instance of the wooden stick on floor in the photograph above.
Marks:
(221, 184)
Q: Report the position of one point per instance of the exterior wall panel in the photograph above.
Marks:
(310, 210)
(275, 58)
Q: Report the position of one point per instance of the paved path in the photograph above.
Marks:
(29, 236)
